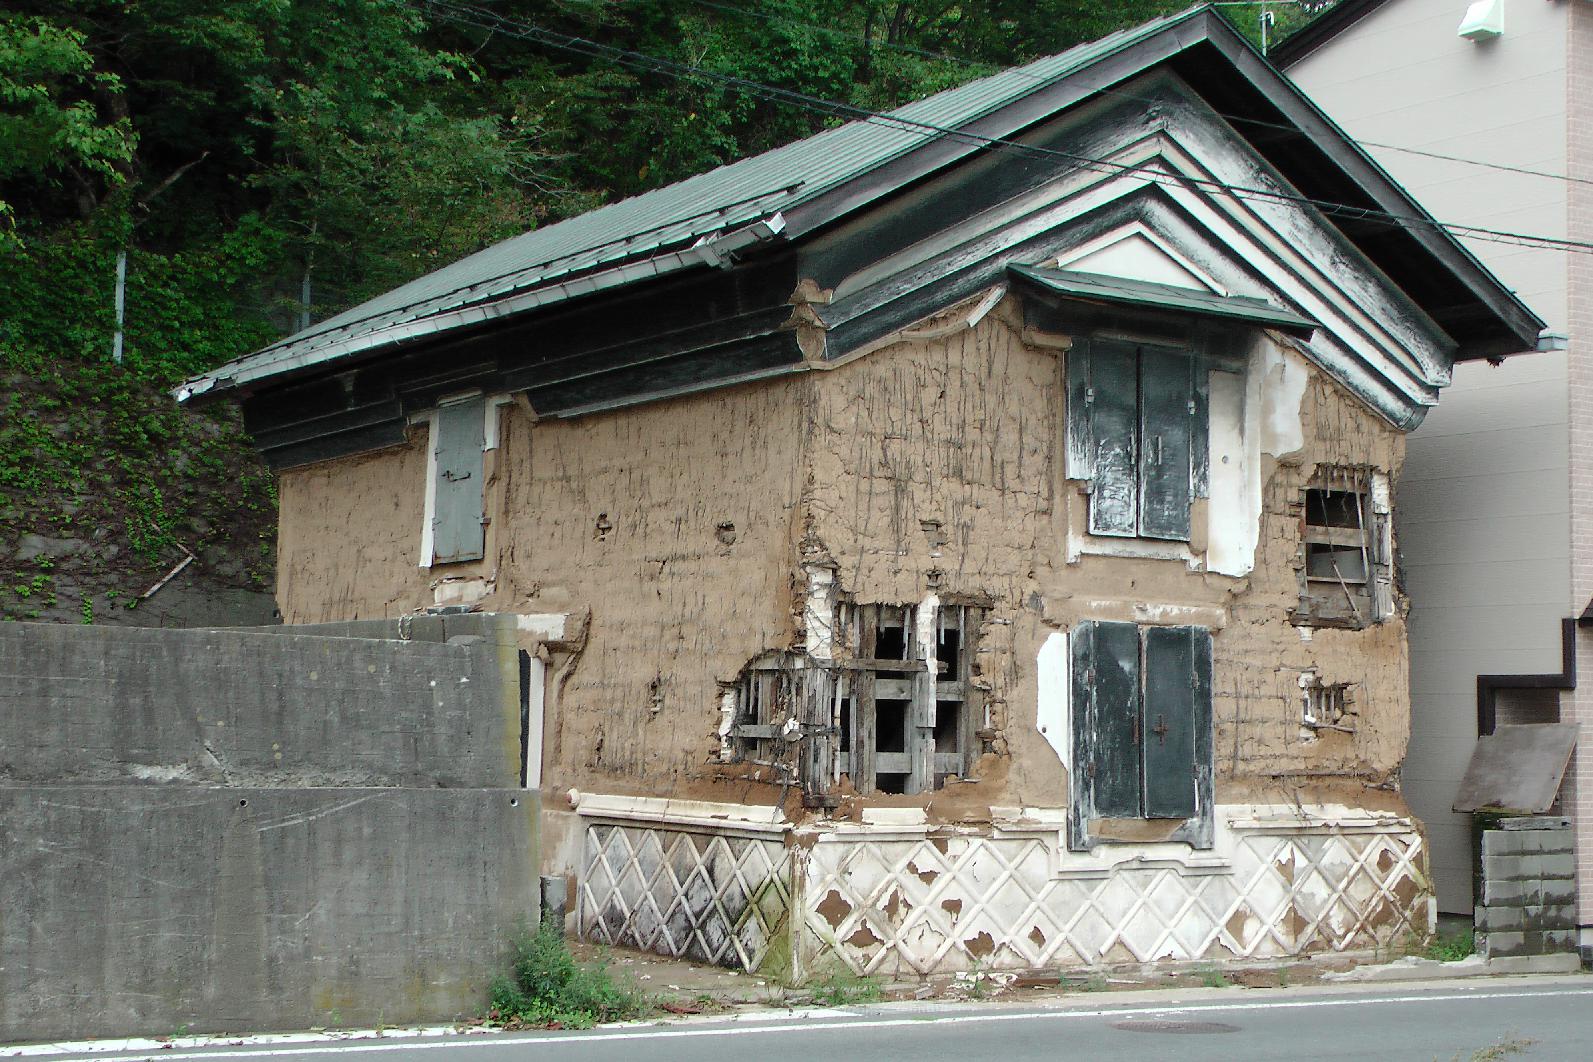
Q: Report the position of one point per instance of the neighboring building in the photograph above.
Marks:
(1496, 501)
(940, 553)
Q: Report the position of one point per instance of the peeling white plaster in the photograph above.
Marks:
(1233, 512)
(1283, 377)
(549, 626)
(536, 702)
(661, 811)
(1051, 714)
(818, 611)
(727, 722)
(1198, 615)
(456, 590)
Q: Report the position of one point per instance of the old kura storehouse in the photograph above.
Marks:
(962, 538)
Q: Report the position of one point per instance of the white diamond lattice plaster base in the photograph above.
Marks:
(900, 900)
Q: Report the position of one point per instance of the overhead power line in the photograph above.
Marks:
(491, 21)
(993, 68)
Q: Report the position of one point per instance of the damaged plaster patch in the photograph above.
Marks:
(818, 608)
(833, 909)
(1051, 716)
(1283, 378)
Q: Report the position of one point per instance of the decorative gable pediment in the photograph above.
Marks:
(1179, 199)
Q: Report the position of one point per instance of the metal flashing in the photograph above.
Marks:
(1095, 288)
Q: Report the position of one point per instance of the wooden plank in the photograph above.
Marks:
(1517, 768)
(1112, 700)
(921, 710)
(973, 705)
(863, 707)
(894, 689)
(889, 665)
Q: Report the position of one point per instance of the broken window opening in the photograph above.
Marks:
(913, 726)
(899, 715)
(1328, 705)
(1345, 570)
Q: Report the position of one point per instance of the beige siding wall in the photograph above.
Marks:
(1578, 793)
(1483, 509)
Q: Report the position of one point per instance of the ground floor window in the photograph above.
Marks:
(1142, 732)
(896, 710)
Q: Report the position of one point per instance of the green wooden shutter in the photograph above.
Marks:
(456, 527)
(1167, 416)
(1113, 402)
(1177, 733)
(1106, 746)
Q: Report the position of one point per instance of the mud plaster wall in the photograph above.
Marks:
(966, 430)
(672, 524)
(624, 514)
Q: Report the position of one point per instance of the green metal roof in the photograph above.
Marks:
(648, 227)
(1116, 291)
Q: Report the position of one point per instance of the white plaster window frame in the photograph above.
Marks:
(684, 815)
(489, 433)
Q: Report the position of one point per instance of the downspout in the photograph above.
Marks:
(1488, 686)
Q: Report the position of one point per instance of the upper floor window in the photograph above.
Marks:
(456, 528)
(1345, 552)
(1137, 427)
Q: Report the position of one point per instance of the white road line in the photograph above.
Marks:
(522, 1042)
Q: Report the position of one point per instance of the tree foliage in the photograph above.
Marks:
(264, 162)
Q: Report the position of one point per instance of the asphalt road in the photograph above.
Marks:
(1488, 1021)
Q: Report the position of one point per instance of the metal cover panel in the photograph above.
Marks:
(1171, 718)
(1517, 768)
(1095, 287)
(1112, 402)
(1106, 674)
(1166, 430)
(457, 532)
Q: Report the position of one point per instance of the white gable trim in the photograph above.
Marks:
(1136, 231)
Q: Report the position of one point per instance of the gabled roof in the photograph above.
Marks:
(1314, 34)
(792, 191)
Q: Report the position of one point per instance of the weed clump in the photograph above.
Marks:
(547, 987)
(843, 988)
(1452, 948)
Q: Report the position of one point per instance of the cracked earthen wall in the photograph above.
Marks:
(627, 515)
(966, 430)
(672, 526)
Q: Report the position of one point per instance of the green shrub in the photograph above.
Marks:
(548, 987)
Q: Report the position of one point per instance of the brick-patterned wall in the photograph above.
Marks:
(1578, 791)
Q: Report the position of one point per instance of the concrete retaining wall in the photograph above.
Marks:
(235, 830)
(103, 704)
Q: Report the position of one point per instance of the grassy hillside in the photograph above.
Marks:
(105, 483)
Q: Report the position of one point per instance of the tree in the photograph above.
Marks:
(50, 126)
